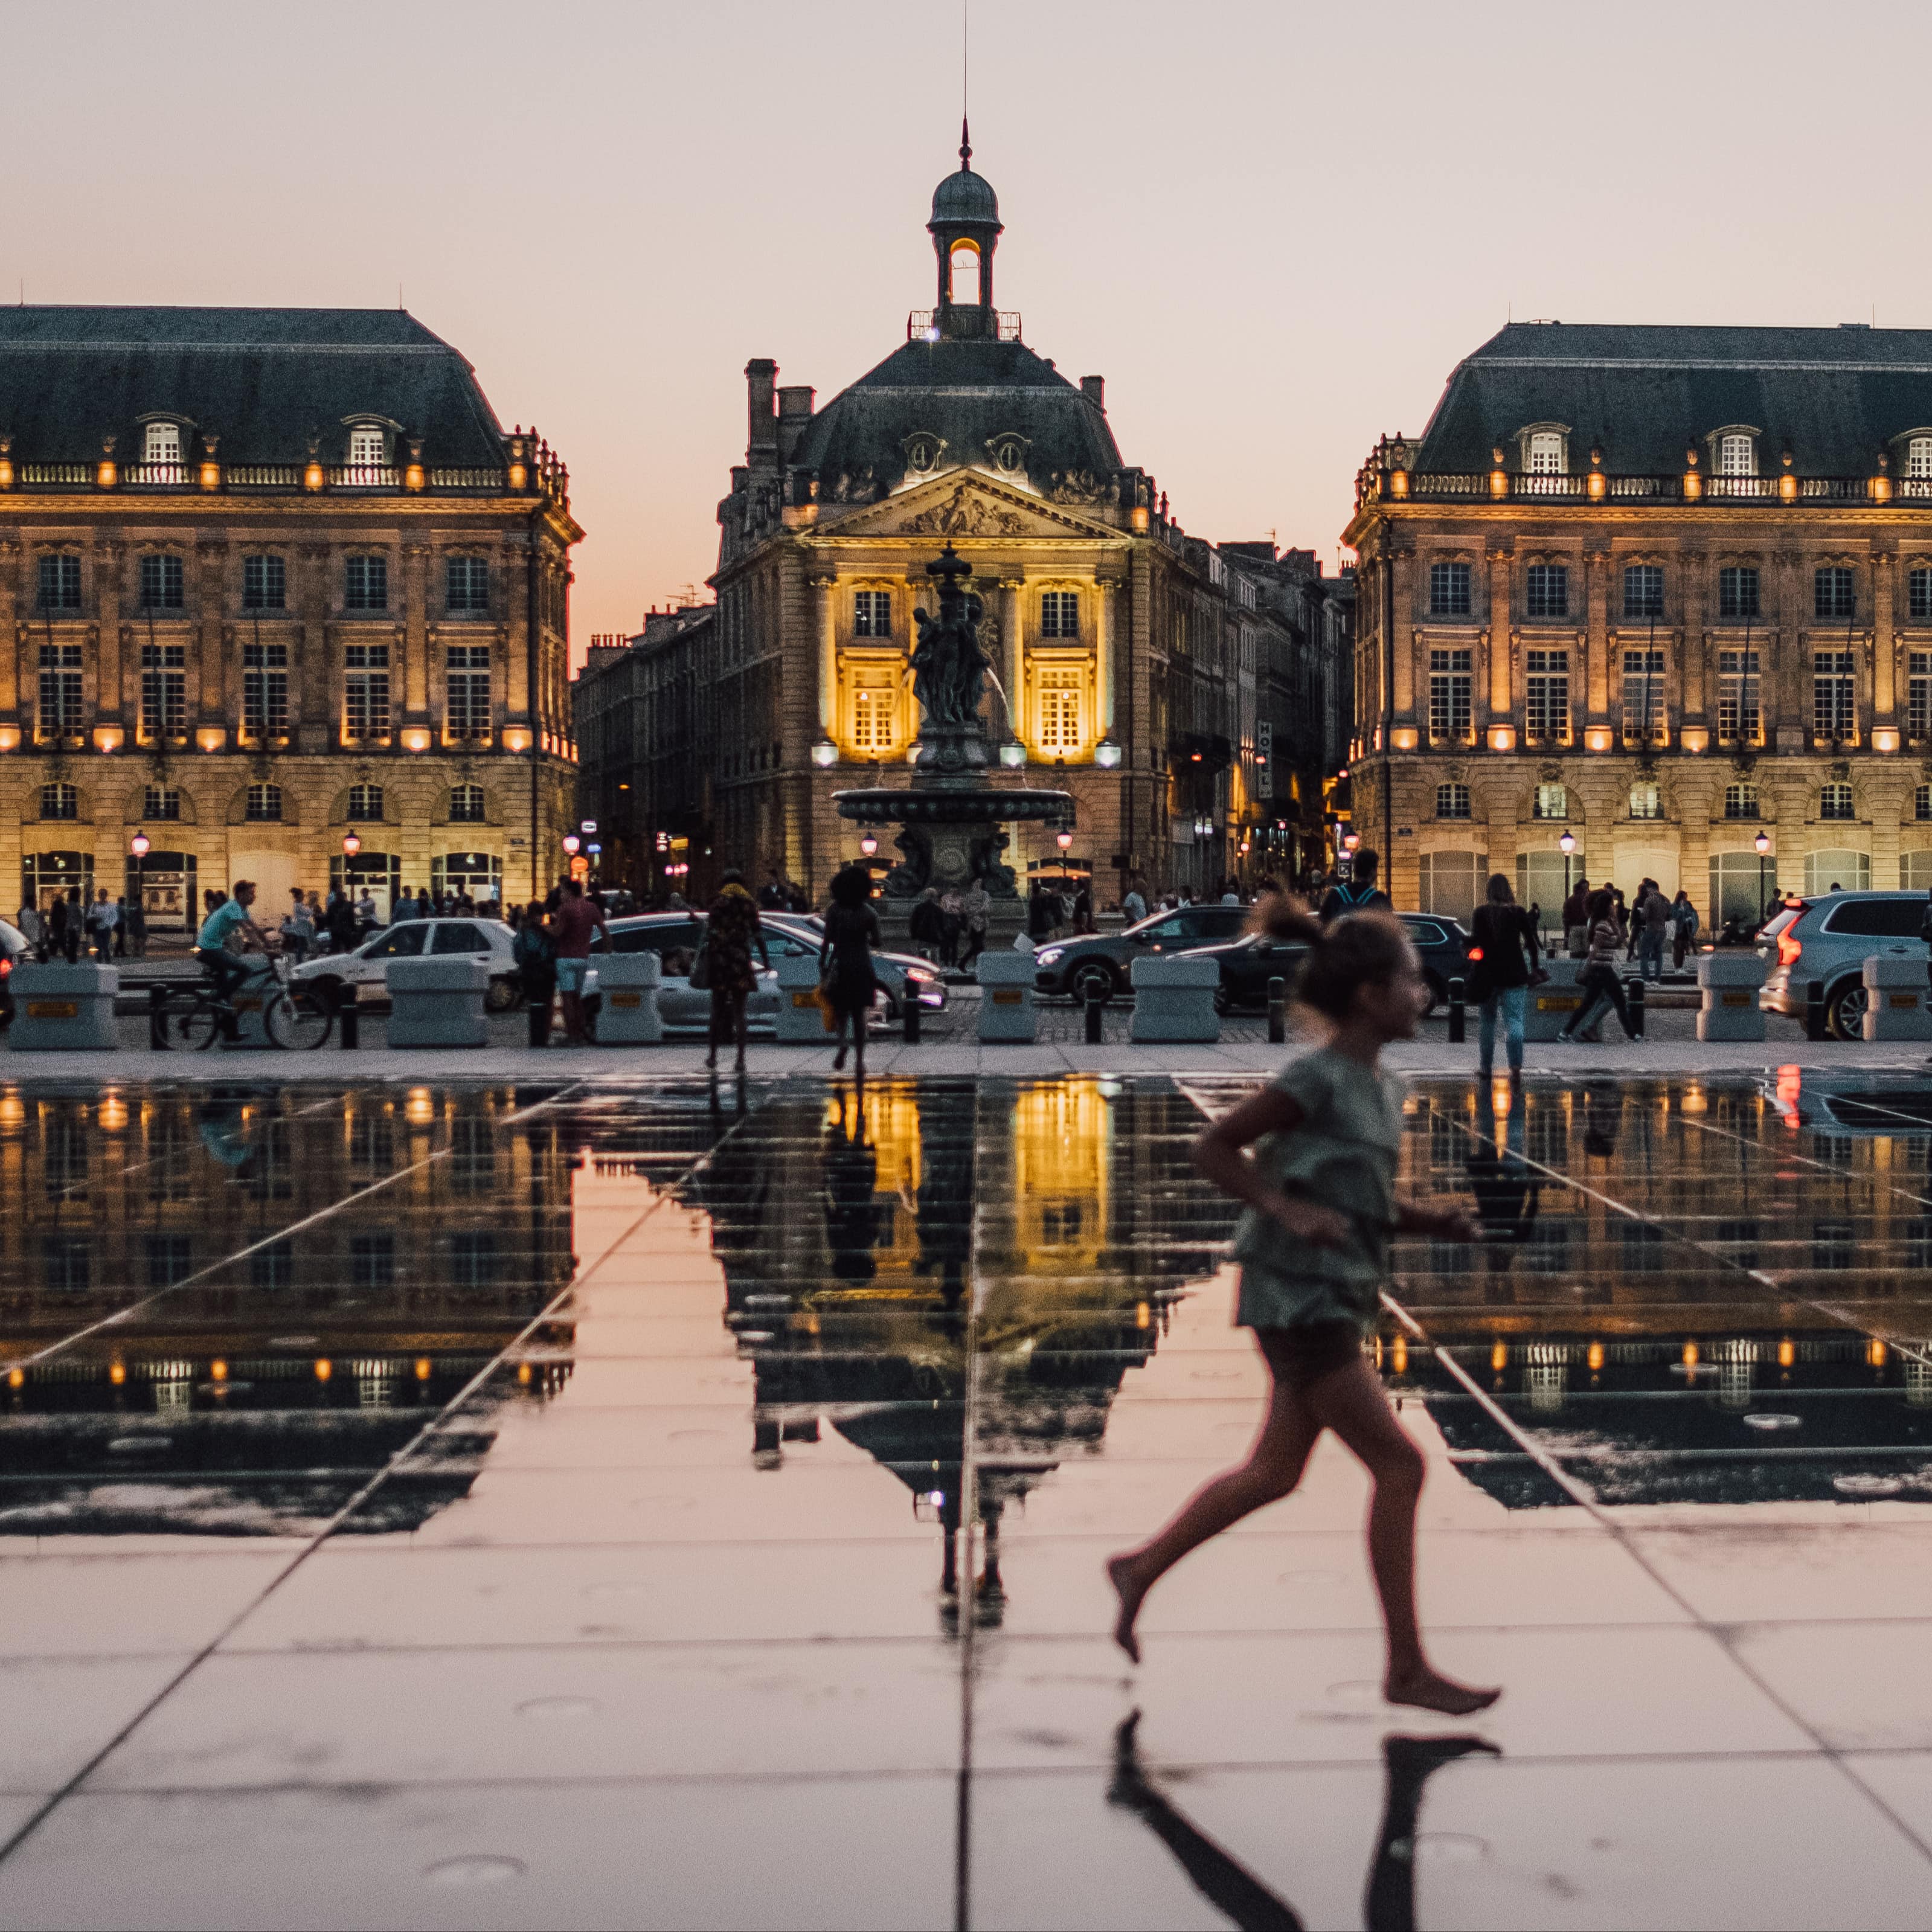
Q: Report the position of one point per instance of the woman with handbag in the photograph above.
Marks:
(845, 980)
(1505, 957)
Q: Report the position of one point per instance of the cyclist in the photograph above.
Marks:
(210, 942)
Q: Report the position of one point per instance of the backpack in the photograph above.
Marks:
(533, 947)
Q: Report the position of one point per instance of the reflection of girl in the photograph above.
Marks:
(1313, 1245)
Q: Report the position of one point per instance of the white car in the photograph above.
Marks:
(488, 939)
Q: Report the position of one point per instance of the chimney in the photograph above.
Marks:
(764, 435)
(1094, 388)
(794, 414)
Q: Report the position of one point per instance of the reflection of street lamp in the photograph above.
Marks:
(1762, 843)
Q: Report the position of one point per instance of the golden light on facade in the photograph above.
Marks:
(1143, 1315)
(524, 1373)
(1875, 1353)
(312, 476)
(415, 739)
(1593, 1358)
(1787, 1354)
(117, 1372)
(422, 1369)
(107, 475)
(1399, 1355)
(112, 1115)
(1398, 483)
(211, 737)
(12, 1113)
(16, 1377)
(324, 1368)
(1499, 1356)
(516, 738)
(421, 1109)
(1695, 738)
(10, 737)
(1502, 737)
(1689, 1354)
(211, 475)
(1598, 738)
(1884, 738)
(109, 737)
(1406, 738)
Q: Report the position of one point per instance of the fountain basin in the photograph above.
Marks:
(978, 804)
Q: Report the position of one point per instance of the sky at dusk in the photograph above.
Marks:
(1272, 228)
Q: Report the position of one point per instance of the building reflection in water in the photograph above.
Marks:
(257, 1358)
(954, 1261)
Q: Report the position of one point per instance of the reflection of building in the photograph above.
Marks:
(1191, 697)
(239, 1396)
(1658, 586)
(984, 1248)
(266, 574)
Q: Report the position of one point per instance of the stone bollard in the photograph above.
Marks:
(437, 1002)
(1006, 1001)
(801, 1014)
(1548, 1008)
(1895, 991)
(1634, 1000)
(1094, 1009)
(1730, 978)
(909, 1014)
(157, 1017)
(1173, 998)
(62, 1009)
(627, 990)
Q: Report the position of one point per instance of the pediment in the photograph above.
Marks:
(964, 504)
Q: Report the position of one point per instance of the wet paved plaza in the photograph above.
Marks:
(556, 1504)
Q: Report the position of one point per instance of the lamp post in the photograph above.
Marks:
(1762, 843)
(352, 843)
(868, 844)
(1567, 844)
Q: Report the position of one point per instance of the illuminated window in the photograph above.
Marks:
(1834, 801)
(368, 447)
(1643, 693)
(1643, 590)
(467, 806)
(161, 583)
(264, 805)
(874, 711)
(60, 801)
(1448, 590)
(872, 613)
(962, 281)
(1452, 801)
(161, 450)
(1060, 614)
(265, 690)
(1646, 801)
(1060, 727)
(1552, 801)
(1737, 454)
(1741, 801)
(265, 584)
(1548, 588)
(163, 691)
(365, 801)
(1545, 453)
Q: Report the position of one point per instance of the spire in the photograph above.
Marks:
(965, 147)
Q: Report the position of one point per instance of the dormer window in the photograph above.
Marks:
(1919, 458)
(1545, 453)
(161, 452)
(1737, 453)
(922, 452)
(368, 447)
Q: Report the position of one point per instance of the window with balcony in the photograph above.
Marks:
(1834, 801)
(1918, 596)
(468, 669)
(163, 692)
(60, 691)
(59, 583)
(1547, 453)
(366, 584)
(1547, 587)
(264, 805)
(365, 691)
(1737, 591)
(1831, 712)
(1061, 725)
(1643, 696)
(1643, 590)
(1737, 453)
(1833, 593)
(1452, 801)
(161, 803)
(1550, 801)
(1451, 682)
(264, 690)
(1646, 800)
(1738, 681)
(1059, 615)
(872, 613)
(161, 583)
(265, 584)
(467, 805)
(365, 802)
(1741, 801)
(1449, 590)
(60, 801)
(875, 692)
(466, 586)
(1919, 693)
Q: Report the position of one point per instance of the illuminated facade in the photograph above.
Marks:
(266, 575)
(1667, 589)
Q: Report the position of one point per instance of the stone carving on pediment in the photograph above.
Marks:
(1550, 774)
(967, 514)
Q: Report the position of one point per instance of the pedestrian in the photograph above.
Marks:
(1083, 907)
(1598, 979)
(951, 925)
(121, 926)
(1503, 953)
(298, 929)
(344, 927)
(845, 980)
(732, 928)
(535, 952)
(1321, 1204)
(1360, 891)
(33, 928)
(1683, 928)
(1577, 920)
(926, 924)
(976, 906)
(576, 920)
(1042, 912)
(136, 925)
(1133, 903)
(73, 926)
(772, 894)
(104, 918)
(1655, 929)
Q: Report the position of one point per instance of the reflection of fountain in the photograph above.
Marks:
(951, 814)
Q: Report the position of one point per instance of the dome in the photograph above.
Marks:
(963, 196)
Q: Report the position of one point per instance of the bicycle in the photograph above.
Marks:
(293, 1017)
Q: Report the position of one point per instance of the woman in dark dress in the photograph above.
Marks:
(845, 961)
(1510, 951)
(731, 931)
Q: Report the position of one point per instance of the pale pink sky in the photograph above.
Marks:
(1272, 228)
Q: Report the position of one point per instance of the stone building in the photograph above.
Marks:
(269, 577)
(1668, 590)
(1134, 664)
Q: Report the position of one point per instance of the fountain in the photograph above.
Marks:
(951, 814)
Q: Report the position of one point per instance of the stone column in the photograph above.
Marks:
(107, 698)
(1596, 636)
(415, 633)
(1885, 641)
(827, 615)
(1012, 652)
(14, 682)
(1501, 630)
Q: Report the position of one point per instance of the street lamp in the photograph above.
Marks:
(1567, 844)
(868, 844)
(1762, 843)
(1013, 755)
(139, 844)
(1107, 753)
(351, 843)
(570, 843)
(1063, 839)
(825, 754)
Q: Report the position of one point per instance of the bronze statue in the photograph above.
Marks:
(949, 667)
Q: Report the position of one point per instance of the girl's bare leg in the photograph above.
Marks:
(1273, 1467)
(1351, 1403)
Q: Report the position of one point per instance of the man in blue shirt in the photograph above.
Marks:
(210, 942)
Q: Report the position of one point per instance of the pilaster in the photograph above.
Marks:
(415, 633)
(825, 619)
(1013, 639)
(1885, 638)
(107, 698)
(13, 681)
(1596, 635)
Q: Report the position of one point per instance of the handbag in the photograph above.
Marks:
(700, 968)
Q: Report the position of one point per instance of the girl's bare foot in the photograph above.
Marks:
(1130, 1590)
(1429, 1691)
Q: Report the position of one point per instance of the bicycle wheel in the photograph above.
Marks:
(200, 1026)
(298, 1018)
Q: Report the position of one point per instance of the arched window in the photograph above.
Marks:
(1834, 801)
(1552, 801)
(1547, 453)
(962, 274)
(1919, 457)
(365, 801)
(60, 801)
(161, 803)
(265, 804)
(466, 805)
(161, 452)
(1737, 453)
(1646, 801)
(1741, 801)
(1452, 801)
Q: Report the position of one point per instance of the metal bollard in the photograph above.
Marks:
(1814, 1010)
(537, 1011)
(349, 1021)
(1459, 1013)
(1093, 1017)
(1633, 999)
(909, 1015)
(157, 1018)
(1277, 1012)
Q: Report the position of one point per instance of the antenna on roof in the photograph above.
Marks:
(399, 291)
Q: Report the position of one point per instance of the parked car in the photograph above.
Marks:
(1248, 963)
(1829, 938)
(1100, 963)
(347, 974)
(13, 948)
(894, 971)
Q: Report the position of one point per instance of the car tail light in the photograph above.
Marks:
(1789, 947)
(1474, 952)
(6, 967)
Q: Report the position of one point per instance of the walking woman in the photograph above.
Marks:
(1321, 1205)
(845, 961)
(1598, 978)
(731, 929)
(1506, 942)
(535, 952)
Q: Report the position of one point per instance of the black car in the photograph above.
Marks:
(1248, 964)
(1100, 961)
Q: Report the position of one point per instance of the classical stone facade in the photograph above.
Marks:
(1144, 672)
(1667, 590)
(268, 577)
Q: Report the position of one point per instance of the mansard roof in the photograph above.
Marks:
(263, 380)
(1837, 396)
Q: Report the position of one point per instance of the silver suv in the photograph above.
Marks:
(1829, 940)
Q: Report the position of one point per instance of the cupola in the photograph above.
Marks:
(965, 230)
